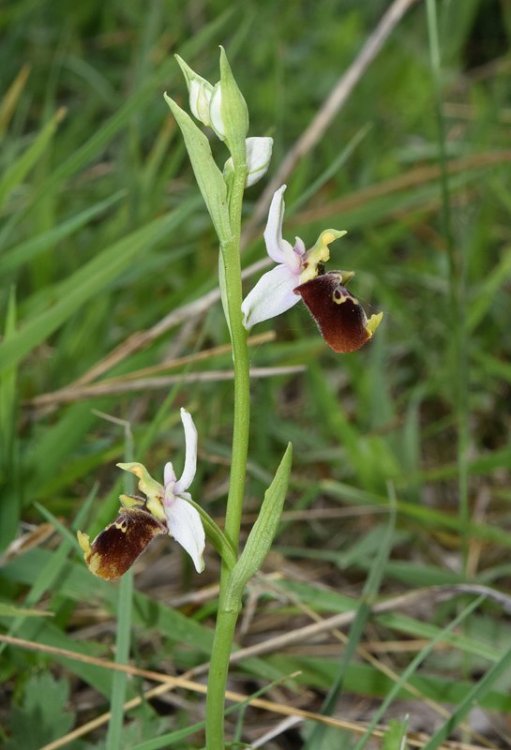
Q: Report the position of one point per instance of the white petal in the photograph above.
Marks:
(215, 112)
(190, 466)
(186, 527)
(279, 249)
(273, 294)
(169, 475)
(258, 158)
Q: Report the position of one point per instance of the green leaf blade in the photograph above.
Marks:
(263, 531)
(209, 178)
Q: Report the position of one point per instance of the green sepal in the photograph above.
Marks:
(209, 177)
(234, 112)
(216, 536)
(263, 531)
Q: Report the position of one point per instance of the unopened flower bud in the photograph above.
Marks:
(200, 92)
(258, 157)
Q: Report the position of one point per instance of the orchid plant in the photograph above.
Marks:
(299, 274)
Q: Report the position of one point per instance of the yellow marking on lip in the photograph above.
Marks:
(344, 298)
(84, 542)
(373, 323)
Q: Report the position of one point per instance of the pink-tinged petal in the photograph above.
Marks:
(185, 526)
(190, 466)
(299, 247)
(272, 295)
(169, 475)
(279, 249)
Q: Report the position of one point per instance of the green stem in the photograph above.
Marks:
(230, 599)
(234, 294)
(218, 672)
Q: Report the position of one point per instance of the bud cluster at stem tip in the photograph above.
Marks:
(222, 108)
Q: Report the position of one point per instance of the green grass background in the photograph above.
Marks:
(405, 444)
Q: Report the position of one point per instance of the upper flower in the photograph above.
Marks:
(275, 293)
(299, 275)
(165, 510)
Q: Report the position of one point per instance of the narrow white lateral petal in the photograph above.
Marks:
(272, 295)
(279, 249)
(185, 526)
(190, 466)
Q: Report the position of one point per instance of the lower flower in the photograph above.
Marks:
(165, 510)
(115, 549)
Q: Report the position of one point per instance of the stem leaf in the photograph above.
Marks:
(263, 531)
(209, 177)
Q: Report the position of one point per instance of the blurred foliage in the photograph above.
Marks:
(102, 235)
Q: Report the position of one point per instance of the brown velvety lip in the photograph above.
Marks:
(338, 314)
(116, 548)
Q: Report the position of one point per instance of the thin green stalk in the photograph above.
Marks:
(230, 598)
(217, 677)
(231, 256)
